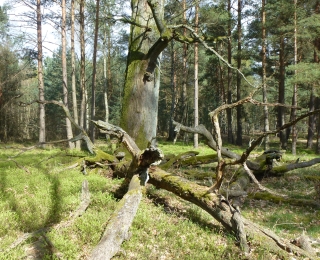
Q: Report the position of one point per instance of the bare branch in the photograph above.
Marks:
(83, 135)
(157, 15)
(261, 187)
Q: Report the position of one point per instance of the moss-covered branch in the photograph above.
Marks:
(219, 208)
(286, 200)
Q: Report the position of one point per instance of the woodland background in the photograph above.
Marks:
(243, 72)
(274, 44)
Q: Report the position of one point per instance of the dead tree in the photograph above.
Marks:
(215, 204)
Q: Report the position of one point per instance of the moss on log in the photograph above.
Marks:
(101, 156)
(176, 160)
(278, 200)
(217, 207)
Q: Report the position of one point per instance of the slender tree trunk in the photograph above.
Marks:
(94, 73)
(73, 72)
(185, 70)
(295, 88)
(105, 91)
(317, 105)
(196, 86)
(312, 120)
(64, 70)
(82, 68)
(109, 71)
(281, 110)
(229, 92)
(173, 92)
(239, 108)
(42, 123)
(264, 76)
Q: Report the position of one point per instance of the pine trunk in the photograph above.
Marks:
(73, 72)
(173, 92)
(229, 92)
(94, 73)
(82, 68)
(281, 110)
(239, 108)
(64, 70)
(42, 123)
(196, 86)
(264, 76)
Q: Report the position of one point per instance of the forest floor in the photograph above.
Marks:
(39, 194)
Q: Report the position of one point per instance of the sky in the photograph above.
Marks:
(51, 38)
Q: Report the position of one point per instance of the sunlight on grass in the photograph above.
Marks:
(37, 192)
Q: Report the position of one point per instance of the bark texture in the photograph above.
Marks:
(141, 91)
(119, 223)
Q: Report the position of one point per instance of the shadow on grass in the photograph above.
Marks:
(27, 213)
(194, 214)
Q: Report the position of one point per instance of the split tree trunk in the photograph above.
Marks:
(141, 91)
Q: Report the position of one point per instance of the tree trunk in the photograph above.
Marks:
(109, 74)
(229, 91)
(173, 92)
(317, 102)
(295, 88)
(184, 94)
(196, 86)
(312, 119)
(264, 76)
(94, 73)
(42, 123)
(239, 108)
(141, 90)
(73, 72)
(281, 98)
(64, 70)
(82, 68)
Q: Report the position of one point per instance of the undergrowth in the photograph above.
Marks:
(38, 192)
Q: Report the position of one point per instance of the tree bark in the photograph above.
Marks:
(173, 84)
(239, 108)
(281, 97)
(295, 87)
(94, 72)
(312, 119)
(229, 91)
(264, 76)
(184, 101)
(141, 91)
(196, 85)
(118, 226)
(73, 72)
(82, 68)
(42, 123)
(64, 70)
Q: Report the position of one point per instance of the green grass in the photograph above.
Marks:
(37, 192)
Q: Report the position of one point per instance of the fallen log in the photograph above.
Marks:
(215, 204)
(218, 207)
(119, 223)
